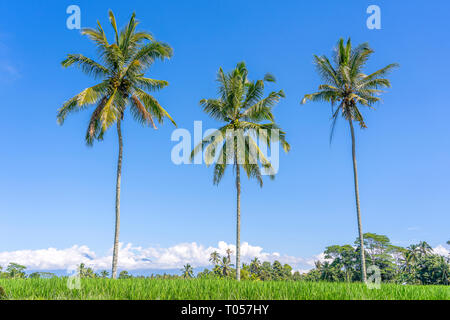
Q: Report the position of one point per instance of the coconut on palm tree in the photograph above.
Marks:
(121, 71)
(247, 116)
(347, 88)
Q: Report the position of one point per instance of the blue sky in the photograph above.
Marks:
(56, 192)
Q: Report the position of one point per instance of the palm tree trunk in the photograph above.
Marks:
(238, 220)
(358, 210)
(117, 228)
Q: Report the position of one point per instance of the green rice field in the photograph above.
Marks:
(200, 289)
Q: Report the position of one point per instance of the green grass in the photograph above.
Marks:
(151, 289)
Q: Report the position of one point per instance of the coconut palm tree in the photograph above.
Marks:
(214, 258)
(255, 266)
(424, 248)
(242, 107)
(346, 87)
(187, 271)
(121, 70)
(225, 265)
(104, 274)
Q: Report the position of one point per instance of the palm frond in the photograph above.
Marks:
(153, 106)
(82, 100)
(87, 65)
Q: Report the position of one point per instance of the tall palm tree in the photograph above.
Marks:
(122, 67)
(242, 107)
(346, 87)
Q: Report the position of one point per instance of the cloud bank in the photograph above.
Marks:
(139, 258)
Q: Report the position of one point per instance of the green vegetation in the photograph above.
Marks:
(122, 68)
(414, 265)
(205, 289)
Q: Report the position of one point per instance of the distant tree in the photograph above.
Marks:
(277, 271)
(187, 271)
(85, 272)
(433, 269)
(379, 251)
(229, 252)
(214, 258)
(424, 248)
(225, 265)
(344, 260)
(287, 271)
(245, 272)
(412, 254)
(297, 276)
(104, 274)
(34, 275)
(125, 275)
(330, 272)
(266, 271)
(206, 273)
(255, 268)
(15, 270)
(313, 275)
(39, 275)
(348, 86)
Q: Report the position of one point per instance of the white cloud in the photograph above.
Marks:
(441, 250)
(132, 258)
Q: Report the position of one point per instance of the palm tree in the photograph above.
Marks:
(242, 108)
(412, 255)
(424, 248)
(104, 274)
(348, 87)
(214, 258)
(255, 266)
(226, 265)
(187, 271)
(122, 67)
(229, 252)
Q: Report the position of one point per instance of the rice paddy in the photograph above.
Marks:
(205, 289)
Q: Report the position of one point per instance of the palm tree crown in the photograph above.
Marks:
(346, 85)
(123, 82)
(242, 107)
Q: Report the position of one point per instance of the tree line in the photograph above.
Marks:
(414, 264)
